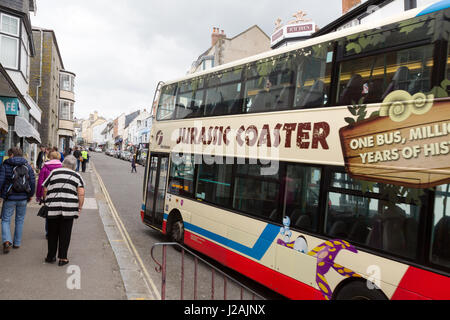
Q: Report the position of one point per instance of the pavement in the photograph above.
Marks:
(102, 266)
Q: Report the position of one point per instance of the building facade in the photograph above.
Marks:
(224, 50)
(20, 116)
(49, 88)
(108, 136)
(356, 12)
(87, 128)
(66, 121)
(137, 128)
(97, 136)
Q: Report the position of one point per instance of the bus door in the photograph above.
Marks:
(156, 189)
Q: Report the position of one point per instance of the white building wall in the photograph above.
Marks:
(121, 125)
(97, 136)
(392, 9)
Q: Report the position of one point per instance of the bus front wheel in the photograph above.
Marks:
(176, 233)
(359, 290)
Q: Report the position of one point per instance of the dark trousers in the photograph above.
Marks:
(83, 165)
(59, 234)
(133, 168)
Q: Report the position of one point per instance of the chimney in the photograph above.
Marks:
(216, 35)
(349, 4)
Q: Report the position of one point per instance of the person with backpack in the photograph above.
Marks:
(17, 187)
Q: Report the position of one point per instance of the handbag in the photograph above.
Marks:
(43, 211)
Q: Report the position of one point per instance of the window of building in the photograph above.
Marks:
(9, 43)
(67, 82)
(24, 62)
(10, 24)
(373, 215)
(440, 250)
(9, 51)
(25, 40)
(65, 110)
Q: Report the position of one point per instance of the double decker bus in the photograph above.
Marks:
(320, 170)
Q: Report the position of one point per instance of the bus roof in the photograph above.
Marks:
(439, 5)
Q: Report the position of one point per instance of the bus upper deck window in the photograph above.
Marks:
(314, 66)
(167, 100)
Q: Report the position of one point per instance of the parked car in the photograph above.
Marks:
(126, 155)
(98, 149)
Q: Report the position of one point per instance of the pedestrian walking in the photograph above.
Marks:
(64, 194)
(49, 166)
(42, 157)
(17, 185)
(85, 159)
(133, 163)
(77, 155)
(61, 155)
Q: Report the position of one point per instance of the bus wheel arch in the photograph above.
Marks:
(358, 289)
(175, 227)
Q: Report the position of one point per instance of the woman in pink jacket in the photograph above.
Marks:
(49, 166)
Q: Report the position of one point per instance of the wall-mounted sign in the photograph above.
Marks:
(293, 31)
(12, 106)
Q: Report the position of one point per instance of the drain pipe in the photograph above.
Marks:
(40, 68)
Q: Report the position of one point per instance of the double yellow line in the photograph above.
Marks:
(126, 238)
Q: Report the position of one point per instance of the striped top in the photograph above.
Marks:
(62, 194)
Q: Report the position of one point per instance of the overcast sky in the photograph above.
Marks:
(120, 49)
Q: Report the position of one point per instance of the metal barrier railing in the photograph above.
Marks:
(162, 268)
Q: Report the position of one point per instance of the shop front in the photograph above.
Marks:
(19, 118)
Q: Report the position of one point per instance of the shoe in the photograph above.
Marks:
(16, 247)
(7, 247)
(63, 262)
(52, 260)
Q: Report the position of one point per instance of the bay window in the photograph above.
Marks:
(65, 110)
(9, 51)
(10, 25)
(66, 82)
(14, 43)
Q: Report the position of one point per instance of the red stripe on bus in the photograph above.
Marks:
(276, 281)
(427, 285)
